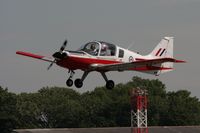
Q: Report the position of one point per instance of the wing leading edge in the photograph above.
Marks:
(40, 57)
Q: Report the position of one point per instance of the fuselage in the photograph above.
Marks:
(83, 59)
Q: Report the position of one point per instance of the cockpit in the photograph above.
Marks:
(99, 49)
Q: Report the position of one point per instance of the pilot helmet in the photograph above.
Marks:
(93, 46)
(104, 47)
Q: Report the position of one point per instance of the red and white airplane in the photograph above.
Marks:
(103, 57)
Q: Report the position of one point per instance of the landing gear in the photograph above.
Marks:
(78, 83)
(109, 83)
(69, 82)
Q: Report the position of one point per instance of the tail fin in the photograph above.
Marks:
(164, 49)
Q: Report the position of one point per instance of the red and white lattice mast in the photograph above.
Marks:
(139, 111)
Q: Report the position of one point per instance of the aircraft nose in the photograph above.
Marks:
(59, 55)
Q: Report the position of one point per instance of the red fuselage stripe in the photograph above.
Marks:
(140, 59)
(150, 68)
(83, 63)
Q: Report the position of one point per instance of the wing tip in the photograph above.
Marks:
(180, 61)
(29, 54)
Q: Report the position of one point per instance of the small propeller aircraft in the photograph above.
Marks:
(104, 57)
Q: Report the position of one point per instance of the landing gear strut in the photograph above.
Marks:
(69, 82)
(109, 83)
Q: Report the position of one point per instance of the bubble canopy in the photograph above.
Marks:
(96, 48)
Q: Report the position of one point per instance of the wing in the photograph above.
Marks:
(48, 59)
(131, 65)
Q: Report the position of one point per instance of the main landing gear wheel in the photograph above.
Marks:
(78, 83)
(69, 82)
(110, 84)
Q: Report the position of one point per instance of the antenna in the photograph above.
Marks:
(131, 45)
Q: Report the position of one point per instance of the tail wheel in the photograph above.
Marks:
(110, 84)
(69, 82)
(78, 83)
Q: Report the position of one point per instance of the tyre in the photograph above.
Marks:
(78, 83)
(110, 84)
(69, 82)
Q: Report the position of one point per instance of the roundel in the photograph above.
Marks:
(131, 59)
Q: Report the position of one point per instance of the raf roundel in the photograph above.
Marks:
(130, 59)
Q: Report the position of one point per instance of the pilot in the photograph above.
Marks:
(94, 50)
(104, 50)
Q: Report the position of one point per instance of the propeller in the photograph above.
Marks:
(63, 46)
(60, 51)
(51, 64)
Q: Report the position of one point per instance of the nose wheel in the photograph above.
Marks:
(78, 82)
(69, 82)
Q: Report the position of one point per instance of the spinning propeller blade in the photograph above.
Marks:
(60, 51)
(63, 46)
(50, 65)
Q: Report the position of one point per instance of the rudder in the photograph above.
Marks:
(164, 49)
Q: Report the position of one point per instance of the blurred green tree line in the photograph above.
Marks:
(57, 107)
